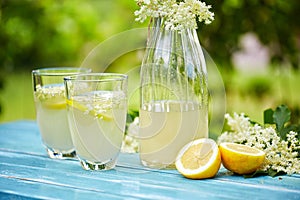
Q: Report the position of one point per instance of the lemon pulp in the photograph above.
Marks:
(197, 156)
(199, 159)
(93, 111)
(55, 103)
(243, 149)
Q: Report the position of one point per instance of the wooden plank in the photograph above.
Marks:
(123, 181)
(27, 172)
(22, 136)
(29, 189)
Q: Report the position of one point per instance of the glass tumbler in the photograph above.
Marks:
(51, 113)
(97, 109)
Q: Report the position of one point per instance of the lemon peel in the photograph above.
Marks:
(92, 112)
(56, 103)
(241, 159)
(199, 159)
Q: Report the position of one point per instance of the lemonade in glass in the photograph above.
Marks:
(51, 113)
(97, 109)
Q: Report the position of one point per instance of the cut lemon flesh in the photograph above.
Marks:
(199, 159)
(93, 112)
(55, 103)
(241, 159)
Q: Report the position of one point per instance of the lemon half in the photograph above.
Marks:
(199, 159)
(241, 159)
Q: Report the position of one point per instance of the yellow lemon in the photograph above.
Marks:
(76, 105)
(84, 108)
(241, 159)
(199, 159)
(54, 103)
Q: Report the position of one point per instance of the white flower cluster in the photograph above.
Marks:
(177, 16)
(281, 155)
(43, 93)
(130, 143)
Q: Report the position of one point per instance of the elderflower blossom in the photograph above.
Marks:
(43, 93)
(281, 155)
(130, 143)
(177, 16)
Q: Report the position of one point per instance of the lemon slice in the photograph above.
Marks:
(55, 103)
(241, 159)
(84, 108)
(199, 159)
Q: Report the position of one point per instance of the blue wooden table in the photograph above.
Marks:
(27, 173)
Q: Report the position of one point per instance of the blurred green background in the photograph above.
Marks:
(254, 43)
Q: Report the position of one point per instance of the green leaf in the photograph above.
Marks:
(269, 172)
(255, 174)
(273, 173)
(281, 115)
(268, 116)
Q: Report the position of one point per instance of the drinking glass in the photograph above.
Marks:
(97, 109)
(51, 113)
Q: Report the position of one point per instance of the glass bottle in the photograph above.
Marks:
(174, 94)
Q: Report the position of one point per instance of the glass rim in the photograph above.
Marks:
(113, 77)
(60, 71)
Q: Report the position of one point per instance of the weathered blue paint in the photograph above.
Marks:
(27, 173)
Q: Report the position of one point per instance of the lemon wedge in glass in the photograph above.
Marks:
(55, 103)
(84, 108)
